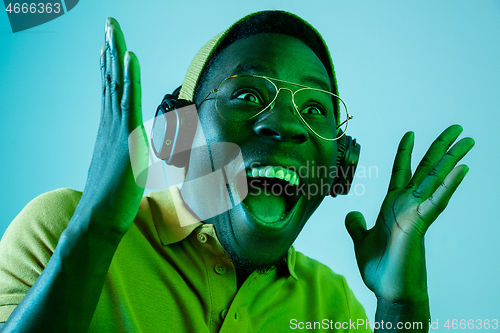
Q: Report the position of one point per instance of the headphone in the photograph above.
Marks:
(174, 148)
(166, 139)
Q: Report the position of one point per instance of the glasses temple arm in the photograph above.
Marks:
(349, 117)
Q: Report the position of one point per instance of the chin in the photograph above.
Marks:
(258, 244)
(258, 232)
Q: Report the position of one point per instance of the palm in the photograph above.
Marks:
(391, 255)
(112, 183)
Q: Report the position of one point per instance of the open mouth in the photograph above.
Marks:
(272, 193)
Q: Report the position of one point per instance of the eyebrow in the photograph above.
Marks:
(258, 69)
(322, 84)
(254, 68)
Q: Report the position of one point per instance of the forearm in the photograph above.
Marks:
(402, 317)
(64, 297)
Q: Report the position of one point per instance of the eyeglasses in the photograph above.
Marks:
(242, 97)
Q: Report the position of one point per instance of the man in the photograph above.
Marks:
(109, 260)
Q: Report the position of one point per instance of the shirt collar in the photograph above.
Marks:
(171, 217)
(174, 221)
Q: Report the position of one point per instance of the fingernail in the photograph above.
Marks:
(410, 135)
(126, 58)
(108, 22)
(466, 170)
(111, 21)
(472, 146)
(109, 38)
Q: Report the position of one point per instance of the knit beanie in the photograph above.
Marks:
(270, 21)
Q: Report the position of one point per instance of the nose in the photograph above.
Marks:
(280, 122)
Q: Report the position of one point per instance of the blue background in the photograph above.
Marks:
(401, 65)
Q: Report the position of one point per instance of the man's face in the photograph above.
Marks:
(259, 232)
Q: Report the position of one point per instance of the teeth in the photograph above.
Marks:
(270, 171)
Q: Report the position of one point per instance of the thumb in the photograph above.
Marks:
(356, 226)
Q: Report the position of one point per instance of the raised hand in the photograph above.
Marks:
(391, 255)
(71, 283)
(111, 189)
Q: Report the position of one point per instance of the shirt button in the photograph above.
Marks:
(220, 269)
(202, 237)
(223, 314)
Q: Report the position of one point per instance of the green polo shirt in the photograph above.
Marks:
(170, 274)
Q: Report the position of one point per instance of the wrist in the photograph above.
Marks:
(411, 316)
(88, 239)
(98, 223)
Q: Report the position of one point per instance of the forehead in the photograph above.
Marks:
(274, 55)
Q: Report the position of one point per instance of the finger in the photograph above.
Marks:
(437, 202)
(103, 66)
(436, 176)
(107, 101)
(438, 148)
(132, 111)
(113, 69)
(401, 170)
(355, 224)
(115, 51)
(131, 100)
(103, 78)
(119, 37)
(139, 155)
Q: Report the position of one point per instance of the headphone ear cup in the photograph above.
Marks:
(173, 130)
(348, 151)
(158, 134)
(187, 121)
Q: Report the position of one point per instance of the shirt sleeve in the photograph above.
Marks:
(356, 310)
(29, 242)
(330, 296)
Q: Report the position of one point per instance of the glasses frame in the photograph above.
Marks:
(271, 104)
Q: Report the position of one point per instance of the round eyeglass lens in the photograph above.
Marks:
(323, 112)
(240, 98)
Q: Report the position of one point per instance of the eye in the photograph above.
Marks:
(249, 97)
(314, 110)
